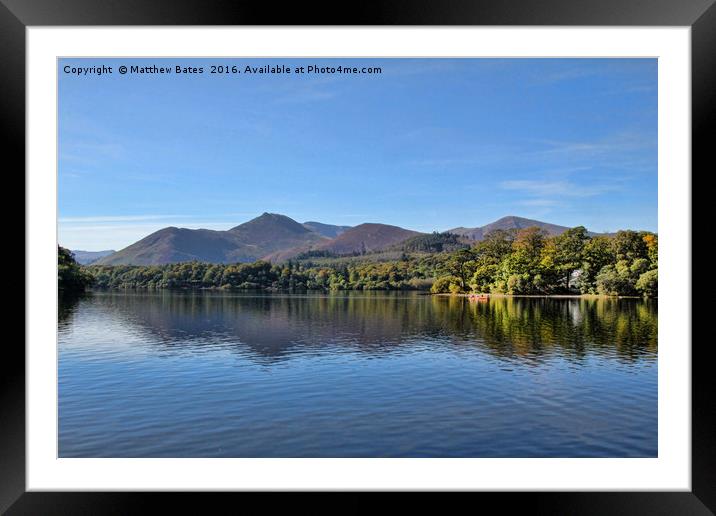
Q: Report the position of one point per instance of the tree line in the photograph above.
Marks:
(71, 276)
(516, 262)
(531, 262)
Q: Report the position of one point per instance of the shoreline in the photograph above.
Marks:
(419, 292)
(554, 296)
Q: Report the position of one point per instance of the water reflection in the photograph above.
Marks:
(271, 326)
(67, 304)
(209, 374)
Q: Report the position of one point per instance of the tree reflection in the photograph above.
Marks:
(272, 326)
(67, 306)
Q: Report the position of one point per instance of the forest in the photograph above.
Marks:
(515, 262)
(71, 276)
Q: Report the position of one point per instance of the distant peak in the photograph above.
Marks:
(267, 215)
(376, 225)
(271, 220)
(271, 216)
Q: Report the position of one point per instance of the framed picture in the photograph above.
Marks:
(409, 250)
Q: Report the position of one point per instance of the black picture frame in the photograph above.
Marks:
(700, 15)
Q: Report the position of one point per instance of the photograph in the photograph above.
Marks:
(357, 257)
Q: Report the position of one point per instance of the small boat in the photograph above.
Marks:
(478, 297)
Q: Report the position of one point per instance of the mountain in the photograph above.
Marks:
(272, 232)
(171, 245)
(507, 223)
(87, 257)
(277, 238)
(246, 242)
(367, 237)
(327, 230)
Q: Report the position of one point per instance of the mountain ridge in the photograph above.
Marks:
(506, 223)
(275, 237)
(89, 257)
(247, 242)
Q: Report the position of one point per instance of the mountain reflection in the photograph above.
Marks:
(270, 327)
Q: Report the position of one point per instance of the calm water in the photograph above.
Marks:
(361, 375)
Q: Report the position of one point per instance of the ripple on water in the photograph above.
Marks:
(192, 375)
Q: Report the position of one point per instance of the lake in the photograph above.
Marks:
(374, 374)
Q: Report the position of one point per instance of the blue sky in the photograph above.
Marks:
(428, 144)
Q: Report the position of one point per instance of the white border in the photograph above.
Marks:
(671, 470)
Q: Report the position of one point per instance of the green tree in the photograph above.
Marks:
(629, 245)
(495, 246)
(620, 279)
(484, 277)
(517, 270)
(445, 284)
(598, 252)
(569, 252)
(648, 283)
(609, 281)
(70, 276)
(462, 266)
(529, 243)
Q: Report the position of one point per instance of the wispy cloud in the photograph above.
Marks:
(90, 152)
(445, 162)
(546, 191)
(558, 193)
(117, 218)
(307, 95)
(626, 150)
(616, 145)
(217, 225)
(567, 74)
(635, 89)
(540, 203)
(458, 154)
(98, 233)
(312, 89)
(117, 231)
(181, 219)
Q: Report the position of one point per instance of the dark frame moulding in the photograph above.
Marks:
(700, 15)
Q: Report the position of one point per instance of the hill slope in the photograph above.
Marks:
(247, 242)
(367, 237)
(87, 257)
(172, 245)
